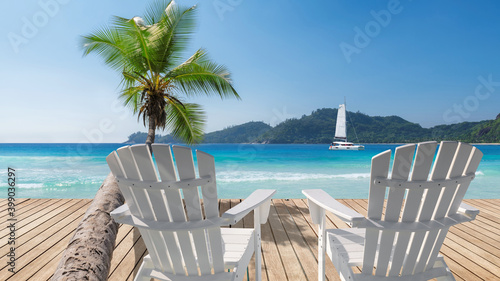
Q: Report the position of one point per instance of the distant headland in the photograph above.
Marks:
(319, 127)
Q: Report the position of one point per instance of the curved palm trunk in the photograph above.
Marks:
(88, 255)
(151, 132)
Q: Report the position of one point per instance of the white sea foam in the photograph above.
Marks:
(256, 176)
(29, 185)
(479, 173)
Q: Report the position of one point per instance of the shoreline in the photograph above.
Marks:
(125, 143)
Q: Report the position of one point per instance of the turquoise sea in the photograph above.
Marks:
(77, 170)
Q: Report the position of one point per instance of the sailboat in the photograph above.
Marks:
(341, 135)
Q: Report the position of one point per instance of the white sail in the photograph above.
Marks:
(340, 132)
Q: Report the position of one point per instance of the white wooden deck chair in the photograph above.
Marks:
(404, 243)
(183, 234)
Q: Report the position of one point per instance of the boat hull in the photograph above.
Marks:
(352, 147)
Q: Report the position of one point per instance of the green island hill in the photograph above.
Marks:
(319, 127)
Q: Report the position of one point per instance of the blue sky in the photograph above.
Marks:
(430, 62)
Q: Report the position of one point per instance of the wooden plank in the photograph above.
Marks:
(21, 204)
(489, 212)
(460, 271)
(63, 220)
(24, 218)
(44, 274)
(288, 256)
(491, 204)
(474, 253)
(477, 271)
(131, 252)
(271, 256)
(483, 204)
(125, 240)
(470, 250)
(300, 214)
(478, 238)
(132, 275)
(301, 249)
(479, 223)
(33, 259)
(130, 264)
(25, 234)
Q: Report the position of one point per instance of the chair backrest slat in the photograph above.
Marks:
(206, 167)
(400, 170)
(144, 161)
(442, 164)
(457, 169)
(401, 167)
(475, 159)
(116, 169)
(420, 170)
(142, 206)
(165, 163)
(440, 170)
(380, 168)
(421, 167)
(185, 252)
(411, 252)
(185, 168)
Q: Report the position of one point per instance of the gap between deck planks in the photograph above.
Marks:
(289, 240)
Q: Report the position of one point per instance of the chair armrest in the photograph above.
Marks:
(468, 210)
(120, 212)
(320, 200)
(258, 198)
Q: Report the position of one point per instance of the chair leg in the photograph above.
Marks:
(321, 248)
(441, 263)
(147, 264)
(257, 245)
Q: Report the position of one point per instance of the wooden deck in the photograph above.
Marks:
(44, 227)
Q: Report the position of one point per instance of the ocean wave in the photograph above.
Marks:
(255, 176)
(479, 173)
(50, 158)
(26, 185)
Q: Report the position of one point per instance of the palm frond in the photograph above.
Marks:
(107, 43)
(199, 75)
(171, 35)
(186, 121)
(155, 10)
(137, 43)
(132, 98)
(148, 52)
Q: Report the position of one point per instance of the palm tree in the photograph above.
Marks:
(148, 52)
